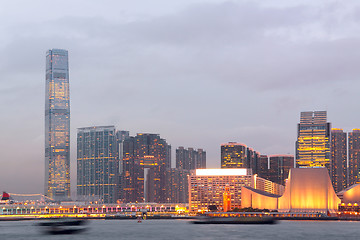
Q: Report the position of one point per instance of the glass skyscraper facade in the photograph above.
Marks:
(57, 126)
(97, 164)
(313, 142)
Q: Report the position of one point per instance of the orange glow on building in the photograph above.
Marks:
(226, 199)
(307, 190)
(207, 189)
(313, 143)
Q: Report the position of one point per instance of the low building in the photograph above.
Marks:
(307, 190)
(206, 187)
(350, 195)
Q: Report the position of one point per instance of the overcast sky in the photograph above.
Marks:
(197, 72)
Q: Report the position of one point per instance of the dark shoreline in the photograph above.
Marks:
(9, 219)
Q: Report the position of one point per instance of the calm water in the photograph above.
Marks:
(181, 229)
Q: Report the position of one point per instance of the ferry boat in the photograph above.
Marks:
(6, 199)
(63, 226)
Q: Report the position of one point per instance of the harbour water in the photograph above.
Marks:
(182, 229)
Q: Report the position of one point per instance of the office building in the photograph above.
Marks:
(97, 164)
(354, 157)
(57, 126)
(280, 166)
(234, 155)
(313, 141)
(338, 159)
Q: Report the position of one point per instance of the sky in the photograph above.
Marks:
(197, 72)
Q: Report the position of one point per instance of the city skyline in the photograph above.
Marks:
(192, 72)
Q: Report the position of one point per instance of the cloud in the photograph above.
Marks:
(200, 75)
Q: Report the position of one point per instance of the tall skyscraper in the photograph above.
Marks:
(57, 126)
(354, 157)
(338, 159)
(97, 164)
(313, 141)
(263, 166)
(234, 155)
(280, 166)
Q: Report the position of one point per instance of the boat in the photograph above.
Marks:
(64, 222)
(55, 230)
(6, 199)
(235, 220)
(63, 226)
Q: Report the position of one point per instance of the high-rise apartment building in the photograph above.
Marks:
(177, 185)
(252, 159)
(201, 159)
(190, 158)
(57, 126)
(280, 166)
(313, 141)
(234, 155)
(354, 157)
(145, 161)
(338, 159)
(97, 164)
(263, 167)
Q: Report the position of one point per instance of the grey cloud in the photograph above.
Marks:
(210, 73)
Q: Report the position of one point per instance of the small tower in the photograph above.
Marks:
(227, 199)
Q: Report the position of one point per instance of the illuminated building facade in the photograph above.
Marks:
(97, 164)
(300, 195)
(57, 126)
(190, 158)
(206, 187)
(280, 166)
(234, 155)
(338, 159)
(313, 142)
(354, 157)
(350, 195)
(145, 159)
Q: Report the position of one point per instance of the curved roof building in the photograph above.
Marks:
(307, 190)
(350, 194)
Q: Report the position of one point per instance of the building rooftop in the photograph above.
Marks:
(223, 172)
